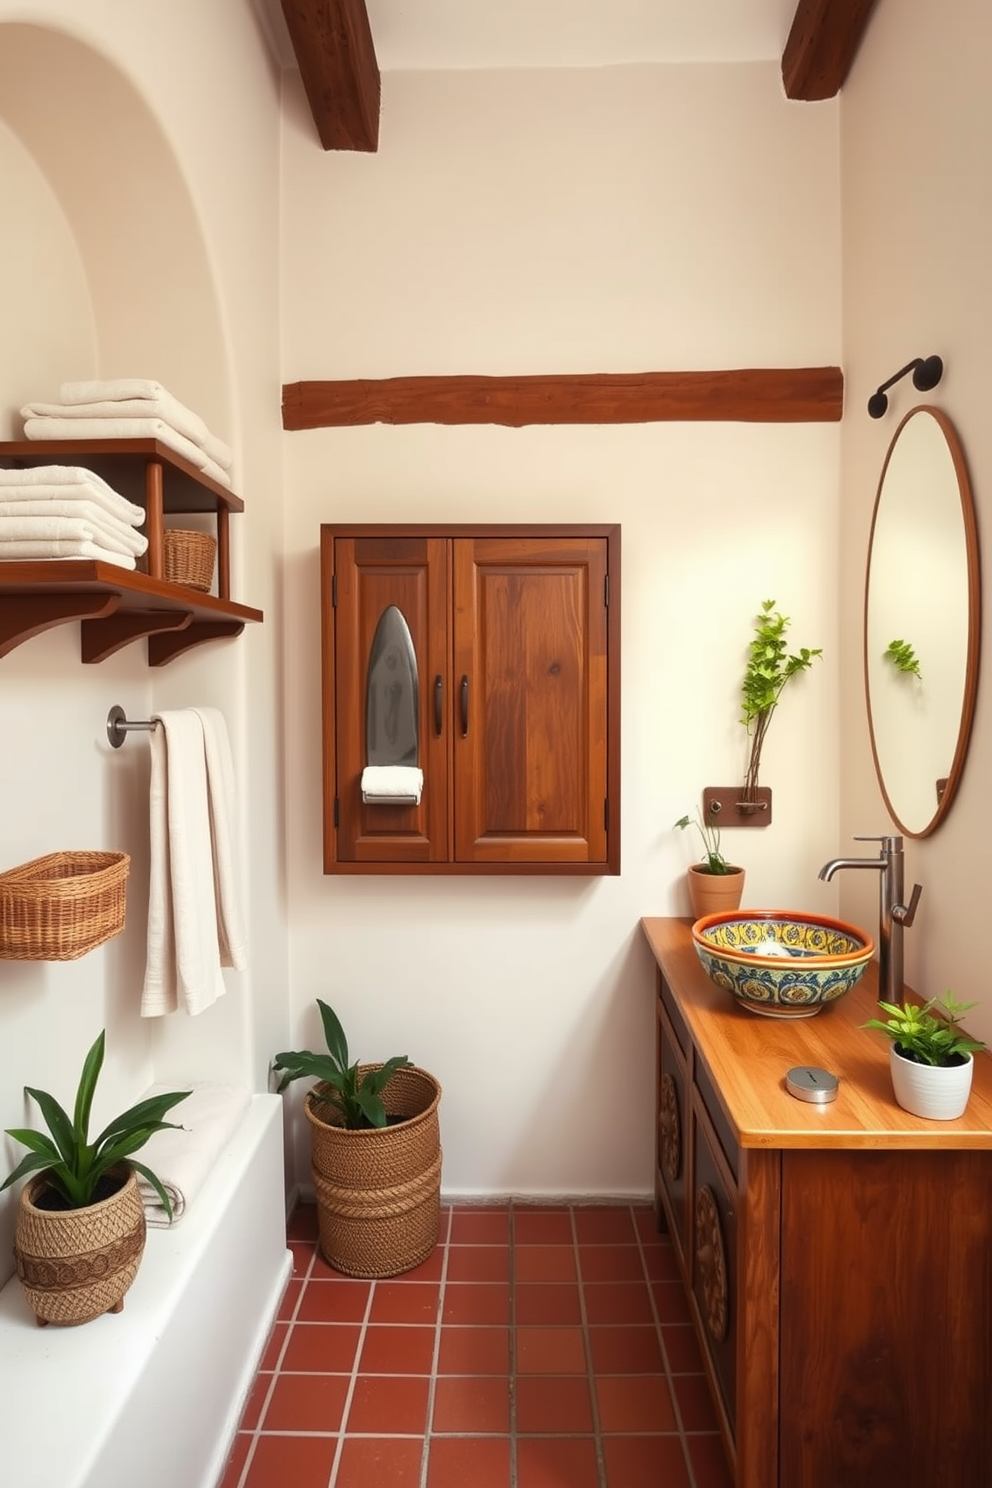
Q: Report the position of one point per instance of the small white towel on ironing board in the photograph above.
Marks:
(385, 783)
(183, 955)
(222, 799)
(182, 1160)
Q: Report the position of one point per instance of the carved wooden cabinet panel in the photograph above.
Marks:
(516, 638)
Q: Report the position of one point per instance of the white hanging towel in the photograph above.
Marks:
(223, 801)
(183, 966)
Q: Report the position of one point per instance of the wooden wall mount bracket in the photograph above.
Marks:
(99, 639)
(170, 644)
(724, 806)
(27, 615)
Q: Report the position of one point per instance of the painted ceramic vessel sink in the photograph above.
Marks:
(781, 964)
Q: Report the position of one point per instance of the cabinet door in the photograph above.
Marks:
(369, 574)
(672, 1137)
(530, 680)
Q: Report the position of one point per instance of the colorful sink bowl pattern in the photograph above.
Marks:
(781, 964)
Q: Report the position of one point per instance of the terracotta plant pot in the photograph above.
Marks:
(939, 1093)
(712, 893)
(75, 1264)
(379, 1188)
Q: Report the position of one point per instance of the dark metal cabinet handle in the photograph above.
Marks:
(464, 705)
(438, 701)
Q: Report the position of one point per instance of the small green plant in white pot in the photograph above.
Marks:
(931, 1057)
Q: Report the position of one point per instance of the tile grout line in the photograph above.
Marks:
(350, 1392)
(587, 1349)
(511, 1363)
(676, 1408)
(435, 1358)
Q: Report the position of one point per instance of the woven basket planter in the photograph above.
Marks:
(59, 907)
(379, 1189)
(75, 1264)
(188, 558)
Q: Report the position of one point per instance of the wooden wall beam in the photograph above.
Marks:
(333, 43)
(783, 395)
(822, 44)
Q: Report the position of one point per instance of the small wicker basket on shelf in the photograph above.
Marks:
(58, 907)
(188, 558)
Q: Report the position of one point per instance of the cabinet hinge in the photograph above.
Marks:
(334, 591)
(606, 590)
(337, 812)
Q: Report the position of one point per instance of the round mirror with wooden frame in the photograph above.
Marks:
(922, 621)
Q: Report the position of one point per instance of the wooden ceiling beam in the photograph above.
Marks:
(822, 45)
(333, 43)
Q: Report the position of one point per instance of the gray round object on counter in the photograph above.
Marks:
(807, 1083)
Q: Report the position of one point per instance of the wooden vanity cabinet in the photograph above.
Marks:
(516, 638)
(837, 1259)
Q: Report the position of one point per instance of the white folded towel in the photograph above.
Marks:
(19, 551)
(67, 483)
(135, 397)
(47, 525)
(127, 428)
(222, 797)
(183, 953)
(182, 1160)
(124, 534)
(392, 782)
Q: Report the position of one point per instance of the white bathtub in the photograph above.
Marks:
(153, 1395)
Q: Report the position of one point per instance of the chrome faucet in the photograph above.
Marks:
(893, 915)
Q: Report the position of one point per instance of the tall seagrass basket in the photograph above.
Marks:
(379, 1189)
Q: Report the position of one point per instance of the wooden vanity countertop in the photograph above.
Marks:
(747, 1057)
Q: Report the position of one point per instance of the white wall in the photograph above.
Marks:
(916, 157)
(139, 163)
(626, 219)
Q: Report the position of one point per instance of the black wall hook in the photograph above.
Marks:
(927, 372)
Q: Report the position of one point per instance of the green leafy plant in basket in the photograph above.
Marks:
(923, 1038)
(76, 1170)
(713, 860)
(357, 1097)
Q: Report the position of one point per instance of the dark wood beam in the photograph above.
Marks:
(332, 40)
(822, 44)
(782, 395)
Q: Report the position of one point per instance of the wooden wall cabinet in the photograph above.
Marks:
(838, 1259)
(516, 636)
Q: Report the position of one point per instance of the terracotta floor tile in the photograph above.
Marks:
(290, 1300)
(550, 1351)
(604, 1226)
(550, 1403)
(669, 1299)
(660, 1263)
(374, 1462)
(695, 1403)
(645, 1462)
(480, 1226)
(610, 1263)
(618, 1302)
(302, 1253)
(337, 1301)
(233, 1468)
(542, 1226)
(254, 1405)
(405, 1302)
(557, 1462)
(306, 1402)
(474, 1351)
(682, 1348)
(304, 1461)
(544, 1263)
(555, 1303)
(619, 1350)
(273, 1348)
(302, 1224)
(476, 1302)
(397, 1349)
(471, 1403)
(478, 1262)
(646, 1225)
(634, 1402)
(321, 1348)
(709, 1462)
(397, 1403)
(469, 1462)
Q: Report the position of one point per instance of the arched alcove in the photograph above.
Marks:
(112, 170)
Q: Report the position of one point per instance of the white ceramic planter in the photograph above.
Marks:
(939, 1094)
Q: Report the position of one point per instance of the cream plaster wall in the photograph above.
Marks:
(622, 219)
(916, 157)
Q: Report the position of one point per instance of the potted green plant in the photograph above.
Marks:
(714, 884)
(769, 668)
(375, 1149)
(931, 1057)
(80, 1230)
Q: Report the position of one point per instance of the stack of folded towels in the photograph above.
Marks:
(129, 408)
(64, 511)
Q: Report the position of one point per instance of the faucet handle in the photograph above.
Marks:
(905, 914)
(889, 843)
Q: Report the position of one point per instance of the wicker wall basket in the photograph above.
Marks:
(379, 1190)
(188, 558)
(75, 1264)
(59, 907)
